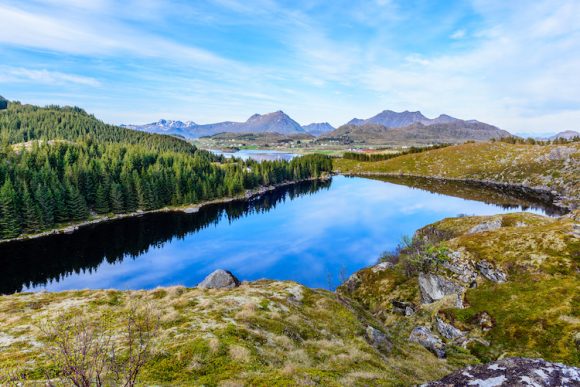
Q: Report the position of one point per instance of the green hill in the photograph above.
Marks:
(60, 165)
(545, 168)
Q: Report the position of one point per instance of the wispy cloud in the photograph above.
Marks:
(512, 64)
(45, 77)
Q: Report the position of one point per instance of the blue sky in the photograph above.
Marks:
(513, 64)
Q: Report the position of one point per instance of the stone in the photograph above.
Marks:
(402, 307)
(378, 339)
(488, 271)
(424, 336)
(352, 283)
(219, 279)
(514, 371)
(434, 287)
(447, 330)
(459, 266)
(485, 321)
(486, 226)
(381, 267)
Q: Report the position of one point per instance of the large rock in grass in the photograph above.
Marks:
(434, 287)
(427, 339)
(219, 279)
(513, 372)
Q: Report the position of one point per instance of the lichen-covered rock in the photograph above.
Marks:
(485, 321)
(491, 225)
(378, 339)
(447, 330)
(460, 266)
(434, 287)
(219, 279)
(490, 272)
(513, 372)
(424, 336)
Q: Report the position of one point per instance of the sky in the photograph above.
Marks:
(514, 64)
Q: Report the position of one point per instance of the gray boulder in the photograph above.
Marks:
(219, 279)
(514, 371)
(378, 339)
(352, 283)
(461, 267)
(427, 339)
(486, 226)
(434, 287)
(488, 271)
(447, 330)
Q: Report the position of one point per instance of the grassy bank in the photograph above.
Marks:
(545, 167)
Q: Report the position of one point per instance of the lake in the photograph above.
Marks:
(311, 232)
(257, 154)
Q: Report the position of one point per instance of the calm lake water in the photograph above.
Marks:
(311, 233)
(257, 154)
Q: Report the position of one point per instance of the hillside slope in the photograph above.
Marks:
(544, 167)
(495, 286)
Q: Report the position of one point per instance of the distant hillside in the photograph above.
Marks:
(317, 129)
(567, 134)
(277, 122)
(3, 103)
(544, 167)
(391, 119)
(450, 132)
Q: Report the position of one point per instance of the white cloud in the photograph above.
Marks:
(459, 34)
(45, 77)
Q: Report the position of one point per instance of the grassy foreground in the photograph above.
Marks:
(281, 333)
(551, 167)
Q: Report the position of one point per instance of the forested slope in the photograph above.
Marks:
(60, 164)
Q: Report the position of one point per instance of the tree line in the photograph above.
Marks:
(359, 156)
(68, 173)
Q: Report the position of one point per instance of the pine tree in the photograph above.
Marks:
(31, 214)
(75, 203)
(101, 202)
(117, 204)
(46, 204)
(9, 222)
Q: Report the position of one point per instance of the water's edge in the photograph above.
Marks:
(538, 193)
(188, 209)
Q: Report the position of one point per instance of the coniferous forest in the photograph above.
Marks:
(60, 165)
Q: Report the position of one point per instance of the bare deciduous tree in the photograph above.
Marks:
(92, 352)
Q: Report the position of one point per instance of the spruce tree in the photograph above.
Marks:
(101, 201)
(117, 204)
(9, 222)
(32, 218)
(75, 203)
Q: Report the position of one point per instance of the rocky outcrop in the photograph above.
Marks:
(486, 226)
(219, 279)
(447, 330)
(491, 273)
(513, 372)
(461, 267)
(424, 336)
(434, 287)
(378, 339)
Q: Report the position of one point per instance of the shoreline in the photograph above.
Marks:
(544, 194)
(188, 209)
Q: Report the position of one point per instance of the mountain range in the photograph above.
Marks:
(567, 134)
(385, 126)
(276, 122)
